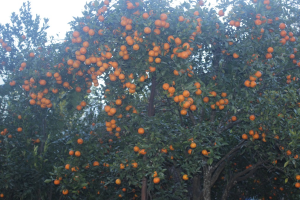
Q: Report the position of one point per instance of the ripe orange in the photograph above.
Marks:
(76, 34)
(71, 152)
(233, 118)
(193, 145)
(177, 41)
(156, 180)
(147, 30)
(67, 166)
(204, 152)
(185, 177)
(235, 55)
(183, 112)
(282, 26)
(252, 117)
(56, 182)
(141, 131)
(221, 13)
(270, 50)
(166, 86)
(65, 192)
(77, 153)
(186, 93)
(80, 141)
(145, 15)
(245, 136)
(118, 181)
(205, 99)
(134, 165)
(122, 166)
(258, 74)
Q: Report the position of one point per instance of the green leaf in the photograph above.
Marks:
(48, 181)
(210, 161)
(286, 163)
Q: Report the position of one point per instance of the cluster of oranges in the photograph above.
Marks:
(5, 45)
(184, 99)
(4, 131)
(220, 103)
(252, 80)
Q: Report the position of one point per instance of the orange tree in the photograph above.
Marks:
(187, 92)
(32, 137)
(197, 104)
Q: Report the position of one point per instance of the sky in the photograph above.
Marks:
(59, 12)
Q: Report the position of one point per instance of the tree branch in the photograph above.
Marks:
(247, 170)
(192, 117)
(228, 154)
(229, 126)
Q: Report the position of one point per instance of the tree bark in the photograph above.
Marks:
(196, 188)
(206, 183)
(144, 189)
(226, 191)
(241, 176)
(151, 112)
(151, 108)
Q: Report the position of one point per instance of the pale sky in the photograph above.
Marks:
(59, 12)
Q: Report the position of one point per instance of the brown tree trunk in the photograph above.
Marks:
(144, 189)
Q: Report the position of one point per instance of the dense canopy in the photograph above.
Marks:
(153, 100)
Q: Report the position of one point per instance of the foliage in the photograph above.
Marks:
(147, 100)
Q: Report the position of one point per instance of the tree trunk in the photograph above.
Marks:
(196, 188)
(151, 112)
(226, 191)
(206, 182)
(144, 189)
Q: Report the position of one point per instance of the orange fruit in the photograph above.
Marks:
(185, 177)
(235, 55)
(141, 131)
(118, 181)
(56, 182)
(65, 192)
(147, 30)
(245, 136)
(252, 117)
(282, 26)
(205, 99)
(80, 141)
(77, 153)
(193, 145)
(156, 180)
